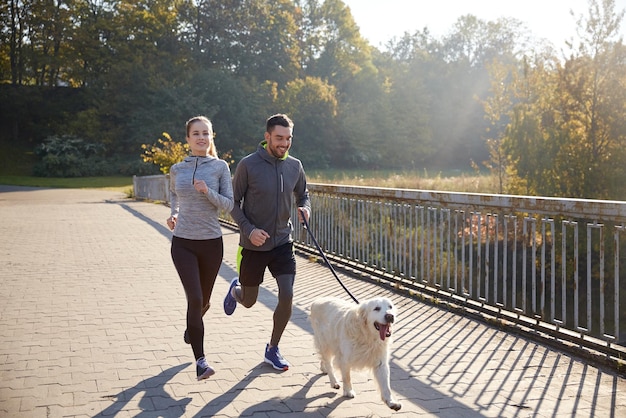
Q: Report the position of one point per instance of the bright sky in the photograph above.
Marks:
(380, 20)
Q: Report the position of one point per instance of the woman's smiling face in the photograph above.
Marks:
(199, 138)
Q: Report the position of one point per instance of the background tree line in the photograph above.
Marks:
(103, 77)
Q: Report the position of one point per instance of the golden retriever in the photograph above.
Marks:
(351, 336)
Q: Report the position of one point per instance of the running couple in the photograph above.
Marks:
(200, 187)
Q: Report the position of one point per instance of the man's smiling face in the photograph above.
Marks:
(279, 141)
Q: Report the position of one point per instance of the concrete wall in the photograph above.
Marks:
(155, 187)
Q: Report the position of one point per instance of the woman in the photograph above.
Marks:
(200, 187)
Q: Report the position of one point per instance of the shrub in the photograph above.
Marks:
(68, 156)
(165, 153)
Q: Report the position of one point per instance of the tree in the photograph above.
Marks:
(341, 52)
(12, 16)
(313, 106)
(455, 80)
(531, 139)
(37, 32)
(256, 38)
(496, 108)
(567, 134)
(593, 82)
(91, 54)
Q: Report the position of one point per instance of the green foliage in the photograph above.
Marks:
(69, 156)
(119, 72)
(566, 135)
(165, 153)
(317, 100)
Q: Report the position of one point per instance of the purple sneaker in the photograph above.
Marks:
(273, 357)
(230, 303)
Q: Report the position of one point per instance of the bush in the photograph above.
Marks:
(69, 156)
(165, 153)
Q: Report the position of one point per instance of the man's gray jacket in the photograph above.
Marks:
(263, 189)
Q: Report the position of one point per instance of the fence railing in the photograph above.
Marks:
(555, 266)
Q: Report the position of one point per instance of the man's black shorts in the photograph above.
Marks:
(279, 261)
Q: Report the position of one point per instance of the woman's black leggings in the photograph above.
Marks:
(197, 263)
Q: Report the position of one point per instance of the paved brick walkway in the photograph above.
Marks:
(92, 317)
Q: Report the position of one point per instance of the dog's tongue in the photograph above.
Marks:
(384, 331)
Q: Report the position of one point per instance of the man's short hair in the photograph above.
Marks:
(278, 119)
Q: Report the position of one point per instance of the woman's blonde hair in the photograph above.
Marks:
(212, 151)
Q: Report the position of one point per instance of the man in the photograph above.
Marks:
(263, 185)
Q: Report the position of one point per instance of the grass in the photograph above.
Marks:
(16, 167)
(120, 184)
(452, 181)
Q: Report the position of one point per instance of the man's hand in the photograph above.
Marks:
(303, 212)
(258, 237)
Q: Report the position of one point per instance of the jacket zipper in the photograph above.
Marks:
(193, 176)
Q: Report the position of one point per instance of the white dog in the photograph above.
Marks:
(351, 336)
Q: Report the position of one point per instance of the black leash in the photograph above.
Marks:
(305, 225)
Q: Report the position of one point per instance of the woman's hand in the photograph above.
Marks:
(171, 222)
(200, 186)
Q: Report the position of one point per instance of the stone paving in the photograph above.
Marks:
(92, 317)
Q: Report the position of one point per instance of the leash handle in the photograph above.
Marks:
(305, 225)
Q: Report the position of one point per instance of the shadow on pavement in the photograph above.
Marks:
(153, 390)
(297, 403)
(162, 229)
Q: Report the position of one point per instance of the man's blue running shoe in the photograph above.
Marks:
(230, 303)
(273, 357)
